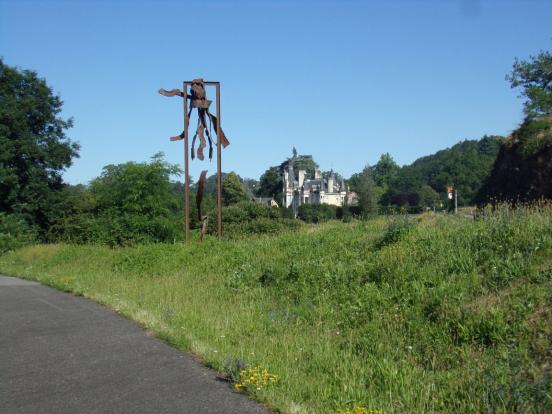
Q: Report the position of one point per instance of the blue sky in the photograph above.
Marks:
(342, 80)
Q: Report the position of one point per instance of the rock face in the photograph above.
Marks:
(523, 168)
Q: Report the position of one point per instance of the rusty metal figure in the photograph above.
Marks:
(198, 99)
(206, 123)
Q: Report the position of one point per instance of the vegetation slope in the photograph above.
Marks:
(523, 168)
(435, 314)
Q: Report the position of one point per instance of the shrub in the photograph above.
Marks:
(396, 230)
(317, 213)
(248, 218)
(14, 232)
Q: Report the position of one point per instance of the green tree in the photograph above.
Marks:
(34, 150)
(466, 165)
(136, 202)
(523, 168)
(428, 197)
(300, 162)
(232, 189)
(535, 79)
(368, 193)
(14, 233)
(385, 171)
(76, 222)
(271, 184)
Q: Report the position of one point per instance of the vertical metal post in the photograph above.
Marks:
(219, 167)
(186, 169)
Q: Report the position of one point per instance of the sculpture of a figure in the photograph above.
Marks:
(198, 99)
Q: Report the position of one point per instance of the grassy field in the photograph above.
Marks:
(435, 314)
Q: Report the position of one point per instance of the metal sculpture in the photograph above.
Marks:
(204, 220)
(205, 124)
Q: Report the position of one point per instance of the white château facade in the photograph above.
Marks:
(301, 190)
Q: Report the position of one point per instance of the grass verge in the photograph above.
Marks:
(435, 315)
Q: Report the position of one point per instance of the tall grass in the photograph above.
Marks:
(438, 314)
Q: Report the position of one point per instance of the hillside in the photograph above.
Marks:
(437, 314)
(465, 165)
(523, 168)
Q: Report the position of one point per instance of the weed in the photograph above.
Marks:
(254, 379)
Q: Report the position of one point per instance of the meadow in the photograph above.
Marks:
(432, 314)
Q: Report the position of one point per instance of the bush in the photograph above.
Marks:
(14, 232)
(260, 226)
(396, 231)
(248, 218)
(317, 213)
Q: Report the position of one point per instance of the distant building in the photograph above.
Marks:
(267, 201)
(318, 190)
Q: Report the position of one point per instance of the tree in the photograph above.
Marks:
(464, 165)
(232, 190)
(142, 188)
(136, 201)
(523, 168)
(251, 186)
(428, 197)
(535, 78)
(368, 193)
(300, 162)
(271, 184)
(34, 150)
(385, 171)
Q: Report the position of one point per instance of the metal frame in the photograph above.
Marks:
(186, 85)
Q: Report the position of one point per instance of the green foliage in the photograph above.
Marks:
(317, 213)
(385, 171)
(135, 202)
(247, 218)
(251, 187)
(448, 315)
(368, 193)
(136, 188)
(77, 222)
(535, 78)
(300, 162)
(397, 229)
(128, 203)
(14, 233)
(523, 168)
(464, 165)
(34, 150)
(346, 213)
(429, 197)
(232, 190)
(423, 183)
(271, 184)
(260, 226)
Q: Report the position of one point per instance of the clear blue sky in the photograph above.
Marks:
(343, 81)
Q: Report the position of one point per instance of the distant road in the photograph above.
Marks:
(64, 354)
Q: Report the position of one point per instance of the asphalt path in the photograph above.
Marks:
(64, 354)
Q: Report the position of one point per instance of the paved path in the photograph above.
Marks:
(64, 354)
